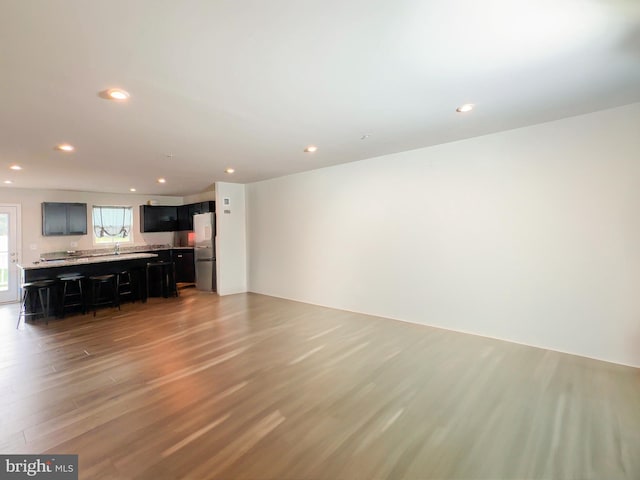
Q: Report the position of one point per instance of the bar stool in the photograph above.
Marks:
(35, 294)
(125, 285)
(72, 294)
(168, 279)
(98, 296)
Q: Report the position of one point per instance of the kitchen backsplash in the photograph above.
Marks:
(181, 239)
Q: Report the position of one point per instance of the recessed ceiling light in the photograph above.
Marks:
(365, 136)
(132, 189)
(229, 170)
(117, 94)
(310, 149)
(15, 167)
(162, 180)
(8, 181)
(65, 147)
(467, 107)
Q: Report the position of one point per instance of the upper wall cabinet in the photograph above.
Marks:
(204, 207)
(186, 213)
(185, 217)
(158, 218)
(64, 219)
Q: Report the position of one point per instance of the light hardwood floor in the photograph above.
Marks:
(254, 387)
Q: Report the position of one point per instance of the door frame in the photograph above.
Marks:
(18, 249)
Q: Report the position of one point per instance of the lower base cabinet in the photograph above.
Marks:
(185, 266)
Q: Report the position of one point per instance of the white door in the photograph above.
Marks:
(9, 252)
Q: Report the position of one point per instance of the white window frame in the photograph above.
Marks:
(113, 240)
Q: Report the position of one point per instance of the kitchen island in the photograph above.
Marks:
(89, 266)
(96, 265)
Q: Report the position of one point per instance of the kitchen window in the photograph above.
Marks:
(112, 225)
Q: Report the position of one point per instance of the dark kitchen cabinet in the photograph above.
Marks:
(158, 218)
(185, 265)
(64, 219)
(77, 218)
(206, 207)
(185, 217)
(186, 213)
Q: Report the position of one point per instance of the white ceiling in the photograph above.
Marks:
(250, 83)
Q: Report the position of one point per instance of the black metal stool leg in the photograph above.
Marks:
(173, 279)
(165, 281)
(147, 283)
(64, 298)
(115, 284)
(43, 305)
(95, 289)
(83, 303)
(23, 306)
(46, 308)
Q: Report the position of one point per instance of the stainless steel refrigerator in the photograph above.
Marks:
(204, 226)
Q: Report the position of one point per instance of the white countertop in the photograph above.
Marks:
(84, 260)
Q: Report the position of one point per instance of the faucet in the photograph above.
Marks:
(116, 248)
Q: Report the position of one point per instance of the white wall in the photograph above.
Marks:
(31, 200)
(530, 235)
(200, 197)
(231, 246)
